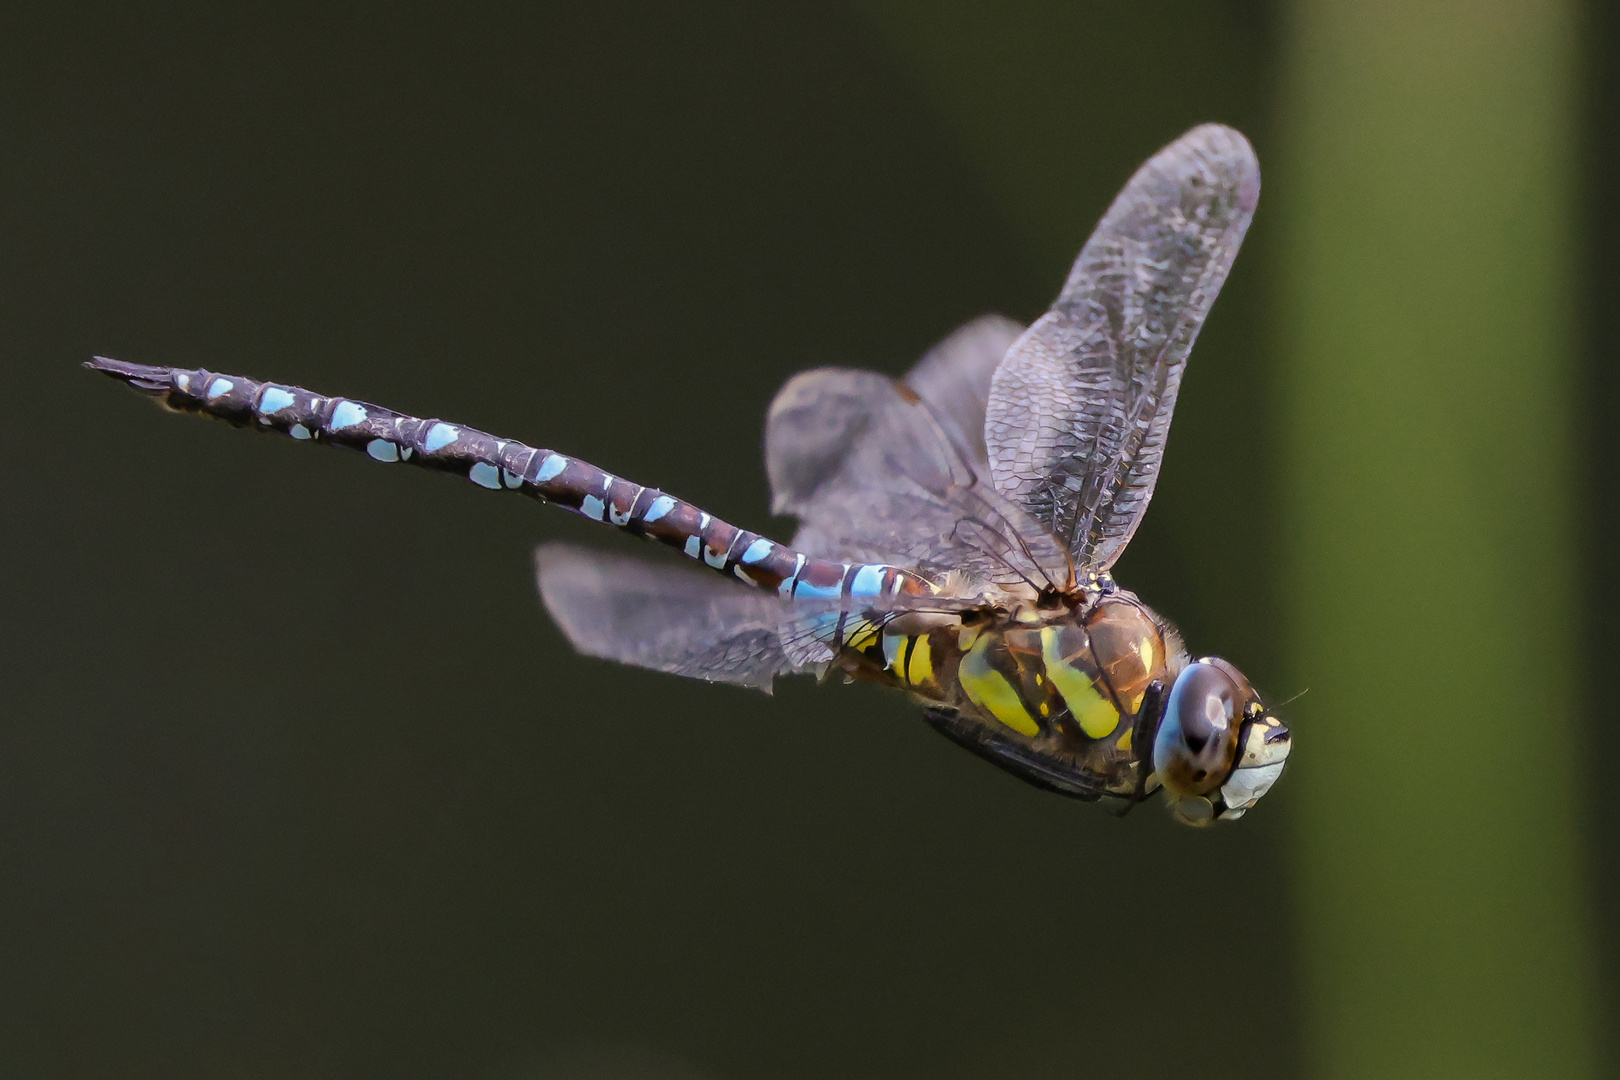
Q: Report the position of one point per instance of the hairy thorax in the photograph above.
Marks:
(1066, 679)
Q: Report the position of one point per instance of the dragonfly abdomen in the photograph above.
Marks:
(498, 464)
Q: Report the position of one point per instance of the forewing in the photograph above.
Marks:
(668, 618)
(873, 474)
(1079, 410)
(954, 378)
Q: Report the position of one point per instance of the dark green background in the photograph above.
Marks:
(296, 779)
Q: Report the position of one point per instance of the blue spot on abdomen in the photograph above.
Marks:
(806, 591)
(660, 506)
(273, 400)
(347, 415)
(549, 468)
(440, 436)
(868, 581)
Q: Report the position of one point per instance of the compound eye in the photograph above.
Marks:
(1197, 740)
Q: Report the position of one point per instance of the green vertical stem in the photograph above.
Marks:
(1425, 194)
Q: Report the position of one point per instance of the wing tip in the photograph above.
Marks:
(1230, 151)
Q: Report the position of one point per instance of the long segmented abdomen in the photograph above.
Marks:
(505, 465)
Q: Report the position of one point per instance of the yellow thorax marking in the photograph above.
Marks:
(861, 633)
(989, 689)
(1094, 713)
(1150, 663)
(910, 657)
(919, 661)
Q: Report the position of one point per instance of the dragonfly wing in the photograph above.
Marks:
(669, 618)
(954, 378)
(1079, 410)
(872, 472)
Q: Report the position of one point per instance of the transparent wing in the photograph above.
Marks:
(1079, 410)
(668, 618)
(873, 473)
(954, 379)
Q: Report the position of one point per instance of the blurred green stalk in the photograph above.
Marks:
(1425, 192)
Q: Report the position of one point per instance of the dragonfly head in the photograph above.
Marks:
(1217, 749)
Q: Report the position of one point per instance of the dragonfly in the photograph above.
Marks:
(956, 527)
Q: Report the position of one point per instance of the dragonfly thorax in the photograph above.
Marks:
(1068, 681)
(1092, 695)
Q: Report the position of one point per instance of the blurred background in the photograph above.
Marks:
(296, 779)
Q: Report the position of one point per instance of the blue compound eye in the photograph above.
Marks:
(1197, 741)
